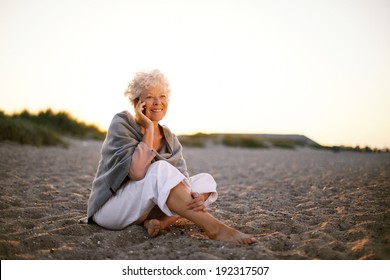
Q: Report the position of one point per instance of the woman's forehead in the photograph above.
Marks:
(154, 91)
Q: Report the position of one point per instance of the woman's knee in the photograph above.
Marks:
(160, 164)
(203, 179)
(162, 168)
(207, 177)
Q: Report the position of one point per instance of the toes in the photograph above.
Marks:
(250, 241)
(154, 227)
(247, 241)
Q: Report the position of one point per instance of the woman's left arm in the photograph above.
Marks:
(197, 203)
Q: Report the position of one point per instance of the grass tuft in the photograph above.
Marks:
(45, 128)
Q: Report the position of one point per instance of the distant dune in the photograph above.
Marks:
(288, 141)
(296, 138)
(248, 140)
(46, 128)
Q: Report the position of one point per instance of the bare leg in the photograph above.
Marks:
(157, 220)
(178, 200)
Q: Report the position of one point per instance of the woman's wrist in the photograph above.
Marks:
(148, 136)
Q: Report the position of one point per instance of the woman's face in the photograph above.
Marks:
(156, 104)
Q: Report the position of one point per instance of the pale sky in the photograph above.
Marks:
(318, 68)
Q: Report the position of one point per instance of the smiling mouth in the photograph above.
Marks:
(157, 110)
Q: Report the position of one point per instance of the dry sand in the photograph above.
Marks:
(299, 204)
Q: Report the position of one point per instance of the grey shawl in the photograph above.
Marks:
(123, 136)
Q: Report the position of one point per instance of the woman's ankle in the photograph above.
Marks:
(213, 230)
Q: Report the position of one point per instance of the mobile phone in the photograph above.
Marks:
(144, 109)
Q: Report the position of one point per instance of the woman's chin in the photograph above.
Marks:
(156, 117)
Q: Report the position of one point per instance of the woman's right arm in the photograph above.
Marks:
(140, 162)
(143, 154)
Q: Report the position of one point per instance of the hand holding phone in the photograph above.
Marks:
(140, 115)
(141, 107)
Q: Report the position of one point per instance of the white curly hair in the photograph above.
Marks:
(144, 81)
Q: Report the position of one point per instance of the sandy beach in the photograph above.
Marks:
(299, 204)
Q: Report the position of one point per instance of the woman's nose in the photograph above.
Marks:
(156, 101)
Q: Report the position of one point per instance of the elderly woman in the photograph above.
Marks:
(142, 176)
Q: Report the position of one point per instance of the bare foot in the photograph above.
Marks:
(153, 226)
(234, 236)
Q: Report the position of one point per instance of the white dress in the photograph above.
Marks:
(135, 199)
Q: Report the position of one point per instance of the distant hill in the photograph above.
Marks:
(272, 139)
(258, 141)
(288, 141)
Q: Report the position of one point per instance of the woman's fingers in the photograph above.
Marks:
(194, 194)
(140, 106)
(197, 204)
(140, 116)
(198, 208)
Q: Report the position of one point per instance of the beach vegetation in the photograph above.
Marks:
(240, 140)
(243, 141)
(198, 140)
(283, 143)
(46, 128)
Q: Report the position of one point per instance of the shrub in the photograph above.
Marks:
(26, 132)
(63, 123)
(45, 128)
(283, 143)
(196, 140)
(243, 141)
